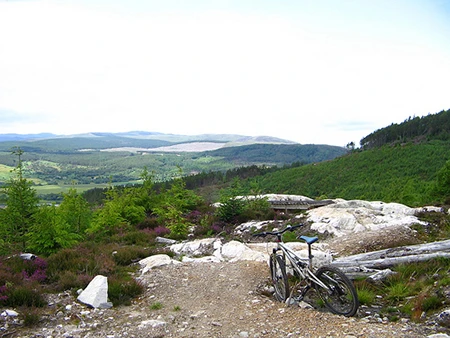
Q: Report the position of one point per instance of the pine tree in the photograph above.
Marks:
(21, 205)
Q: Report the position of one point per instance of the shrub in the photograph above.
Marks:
(31, 317)
(3, 296)
(90, 259)
(161, 231)
(70, 280)
(148, 223)
(122, 290)
(141, 237)
(130, 254)
(24, 296)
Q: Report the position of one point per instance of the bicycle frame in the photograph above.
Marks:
(304, 270)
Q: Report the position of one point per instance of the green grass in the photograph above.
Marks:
(156, 306)
(366, 295)
(5, 172)
(64, 188)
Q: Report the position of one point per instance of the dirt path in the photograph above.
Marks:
(225, 300)
(211, 300)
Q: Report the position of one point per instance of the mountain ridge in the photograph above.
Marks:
(143, 135)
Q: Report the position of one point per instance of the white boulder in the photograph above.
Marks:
(96, 293)
(197, 247)
(346, 217)
(155, 261)
(235, 251)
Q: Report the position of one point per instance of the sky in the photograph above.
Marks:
(313, 72)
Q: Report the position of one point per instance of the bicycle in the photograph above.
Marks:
(332, 285)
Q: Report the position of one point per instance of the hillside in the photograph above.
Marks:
(404, 174)
(97, 159)
(430, 127)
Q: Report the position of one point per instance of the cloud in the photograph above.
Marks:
(304, 73)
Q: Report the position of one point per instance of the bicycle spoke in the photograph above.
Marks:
(340, 295)
(279, 277)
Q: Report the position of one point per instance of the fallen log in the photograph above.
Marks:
(384, 263)
(365, 264)
(409, 250)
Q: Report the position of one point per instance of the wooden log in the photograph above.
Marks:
(411, 250)
(384, 263)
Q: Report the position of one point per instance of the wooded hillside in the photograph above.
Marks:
(430, 127)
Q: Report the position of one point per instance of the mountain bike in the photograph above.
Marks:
(333, 287)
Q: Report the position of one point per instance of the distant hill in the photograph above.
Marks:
(145, 135)
(120, 158)
(279, 153)
(24, 137)
(399, 163)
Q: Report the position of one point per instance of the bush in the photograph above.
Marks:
(141, 237)
(130, 254)
(68, 280)
(24, 296)
(30, 317)
(89, 259)
(122, 290)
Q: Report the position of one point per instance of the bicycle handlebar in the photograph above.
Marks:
(278, 233)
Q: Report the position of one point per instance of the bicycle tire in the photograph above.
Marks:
(341, 298)
(279, 277)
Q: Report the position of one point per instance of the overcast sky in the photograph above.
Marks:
(318, 71)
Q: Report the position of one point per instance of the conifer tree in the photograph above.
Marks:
(21, 205)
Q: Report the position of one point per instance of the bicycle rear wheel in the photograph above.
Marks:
(279, 277)
(340, 297)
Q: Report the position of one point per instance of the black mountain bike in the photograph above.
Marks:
(332, 285)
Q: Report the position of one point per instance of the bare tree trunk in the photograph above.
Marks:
(367, 263)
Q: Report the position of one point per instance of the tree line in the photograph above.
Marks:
(430, 127)
(168, 208)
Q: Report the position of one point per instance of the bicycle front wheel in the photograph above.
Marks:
(340, 296)
(279, 277)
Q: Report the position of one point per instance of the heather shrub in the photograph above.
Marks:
(130, 254)
(30, 317)
(121, 290)
(141, 237)
(86, 259)
(68, 280)
(20, 281)
(35, 270)
(148, 223)
(161, 231)
(9, 274)
(24, 295)
(3, 296)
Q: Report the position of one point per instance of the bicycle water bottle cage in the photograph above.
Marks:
(309, 240)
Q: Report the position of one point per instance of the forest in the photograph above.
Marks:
(432, 126)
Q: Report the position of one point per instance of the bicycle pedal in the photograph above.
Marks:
(291, 301)
(299, 298)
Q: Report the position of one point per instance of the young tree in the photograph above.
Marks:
(231, 204)
(173, 205)
(443, 182)
(74, 209)
(120, 210)
(21, 205)
(50, 231)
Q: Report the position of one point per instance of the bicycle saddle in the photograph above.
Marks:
(309, 240)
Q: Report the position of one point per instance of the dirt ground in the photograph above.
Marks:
(215, 300)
